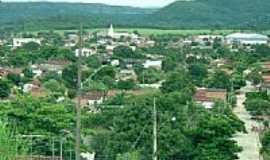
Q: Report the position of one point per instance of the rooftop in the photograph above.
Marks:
(247, 36)
(208, 95)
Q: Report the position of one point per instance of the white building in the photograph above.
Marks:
(115, 62)
(86, 52)
(207, 38)
(118, 35)
(153, 64)
(72, 40)
(18, 42)
(246, 38)
(133, 48)
(110, 48)
(36, 70)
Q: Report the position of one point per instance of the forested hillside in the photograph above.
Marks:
(252, 14)
(66, 15)
(215, 13)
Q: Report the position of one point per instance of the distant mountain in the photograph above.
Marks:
(67, 15)
(252, 14)
(215, 13)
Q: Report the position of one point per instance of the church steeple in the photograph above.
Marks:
(111, 31)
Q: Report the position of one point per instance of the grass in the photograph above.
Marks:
(149, 31)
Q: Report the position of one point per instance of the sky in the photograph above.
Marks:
(135, 3)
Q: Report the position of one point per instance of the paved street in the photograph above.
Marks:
(250, 141)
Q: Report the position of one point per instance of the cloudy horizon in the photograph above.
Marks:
(134, 3)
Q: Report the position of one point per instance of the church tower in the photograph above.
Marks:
(111, 31)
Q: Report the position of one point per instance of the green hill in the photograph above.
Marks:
(215, 13)
(42, 15)
(251, 14)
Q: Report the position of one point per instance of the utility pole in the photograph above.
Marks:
(53, 148)
(31, 149)
(78, 105)
(61, 149)
(70, 154)
(154, 131)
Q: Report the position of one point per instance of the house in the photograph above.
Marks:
(153, 64)
(34, 88)
(127, 74)
(142, 42)
(202, 39)
(92, 98)
(133, 48)
(265, 66)
(207, 97)
(218, 62)
(187, 42)
(86, 52)
(54, 65)
(246, 39)
(265, 77)
(266, 83)
(5, 71)
(36, 70)
(110, 48)
(71, 40)
(115, 62)
(150, 43)
(19, 42)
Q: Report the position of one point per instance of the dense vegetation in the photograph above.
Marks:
(200, 134)
(213, 13)
(66, 15)
(181, 14)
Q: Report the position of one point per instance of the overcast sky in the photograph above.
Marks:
(136, 3)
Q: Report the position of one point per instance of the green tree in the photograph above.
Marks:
(4, 88)
(185, 131)
(255, 77)
(149, 76)
(178, 81)
(238, 81)
(54, 86)
(95, 86)
(126, 85)
(219, 79)
(10, 146)
(169, 64)
(93, 62)
(105, 75)
(18, 58)
(198, 72)
(125, 52)
(258, 106)
(266, 144)
(69, 76)
(31, 46)
(39, 116)
(28, 73)
(14, 78)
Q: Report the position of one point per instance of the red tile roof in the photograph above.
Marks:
(208, 95)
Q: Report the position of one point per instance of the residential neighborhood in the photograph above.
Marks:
(114, 78)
